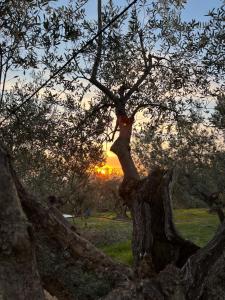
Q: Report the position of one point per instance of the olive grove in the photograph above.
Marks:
(150, 63)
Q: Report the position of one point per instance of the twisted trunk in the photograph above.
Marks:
(155, 241)
(168, 266)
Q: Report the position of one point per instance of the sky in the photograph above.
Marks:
(194, 9)
(198, 9)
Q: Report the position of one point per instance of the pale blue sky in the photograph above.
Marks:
(197, 9)
(194, 9)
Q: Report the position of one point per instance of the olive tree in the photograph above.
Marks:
(148, 60)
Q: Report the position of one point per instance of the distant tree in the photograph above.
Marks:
(191, 150)
(167, 145)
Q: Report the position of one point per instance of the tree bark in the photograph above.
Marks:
(204, 273)
(155, 241)
(19, 278)
(70, 267)
(201, 278)
(167, 266)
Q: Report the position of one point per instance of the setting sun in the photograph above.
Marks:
(103, 171)
(110, 169)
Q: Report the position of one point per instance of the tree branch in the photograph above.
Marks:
(19, 278)
(1, 65)
(63, 255)
(99, 42)
(199, 265)
(95, 110)
(4, 81)
(121, 147)
(141, 38)
(104, 89)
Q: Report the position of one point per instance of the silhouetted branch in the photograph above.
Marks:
(99, 42)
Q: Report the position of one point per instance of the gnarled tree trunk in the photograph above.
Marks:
(168, 266)
(19, 278)
(72, 268)
(156, 242)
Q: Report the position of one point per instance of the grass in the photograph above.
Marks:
(197, 225)
(120, 252)
(114, 237)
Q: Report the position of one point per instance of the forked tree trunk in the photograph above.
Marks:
(155, 242)
(121, 212)
(19, 278)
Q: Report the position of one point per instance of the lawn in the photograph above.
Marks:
(197, 225)
(114, 237)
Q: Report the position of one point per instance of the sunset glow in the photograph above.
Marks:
(105, 170)
(110, 168)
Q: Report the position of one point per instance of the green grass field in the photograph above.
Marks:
(114, 237)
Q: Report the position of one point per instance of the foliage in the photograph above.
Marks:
(218, 117)
(165, 144)
(149, 60)
(44, 135)
(196, 158)
(211, 43)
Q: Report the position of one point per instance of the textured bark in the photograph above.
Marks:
(204, 273)
(19, 278)
(155, 241)
(70, 267)
(201, 278)
(121, 147)
(166, 285)
(167, 266)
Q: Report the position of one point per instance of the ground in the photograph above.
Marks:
(114, 237)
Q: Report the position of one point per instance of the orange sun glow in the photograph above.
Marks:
(110, 169)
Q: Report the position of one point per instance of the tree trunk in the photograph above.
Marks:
(120, 208)
(121, 212)
(155, 241)
(201, 278)
(70, 267)
(19, 278)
